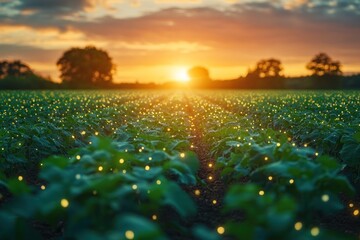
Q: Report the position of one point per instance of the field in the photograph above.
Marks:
(179, 165)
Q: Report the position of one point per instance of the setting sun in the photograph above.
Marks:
(181, 75)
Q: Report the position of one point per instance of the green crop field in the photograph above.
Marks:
(179, 165)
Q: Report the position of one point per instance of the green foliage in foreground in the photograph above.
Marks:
(114, 165)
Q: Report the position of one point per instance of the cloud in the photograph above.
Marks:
(58, 7)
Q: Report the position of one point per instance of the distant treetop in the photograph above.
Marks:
(267, 68)
(199, 74)
(86, 66)
(322, 65)
(14, 69)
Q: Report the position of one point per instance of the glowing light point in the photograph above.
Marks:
(20, 178)
(261, 193)
(356, 212)
(325, 198)
(298, 226)
(129, 234)
(315, 231)
(64, 203)
(220, 230)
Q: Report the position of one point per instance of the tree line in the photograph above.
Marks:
(90, 66)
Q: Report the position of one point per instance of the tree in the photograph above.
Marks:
(322, 65)
(267, 68)
(85, 66)
(14, 69)
(199, 74)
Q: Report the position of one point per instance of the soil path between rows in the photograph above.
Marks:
(210, 191)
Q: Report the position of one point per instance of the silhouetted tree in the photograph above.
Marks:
(199, 75)
(322, 65)
(84, 66)
(267, 68)
(14, 69)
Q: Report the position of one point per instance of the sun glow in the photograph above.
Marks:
(180, 74)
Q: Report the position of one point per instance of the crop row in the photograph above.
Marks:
(125, 186)
(287, 192)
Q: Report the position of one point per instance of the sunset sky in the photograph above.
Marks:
(156, 40)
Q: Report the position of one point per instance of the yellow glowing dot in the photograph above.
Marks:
(266, 158)
(154, 217)
(158, 182)
(291, 181)
(64, 203)
(356, 212)
(261, 193)
(298, 226)
(214, 201)
(210, 165)
(73, 137)
(150, 158)
(182, 155)
(100, 168)
(305, 145)
(316, 154)
(78, 157)
(278, 144)
(325, 198)
(129, 234)
(42, 187)
(83, 133)
(147, 168)
(270, 178)
(197, 192)
(134, 187)
(124, 171)
(315, 231)
(168, 129)
(210, 177)
(220, 230)
(96, 133)
(351, 205)
(121, 161)
(20, 178)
